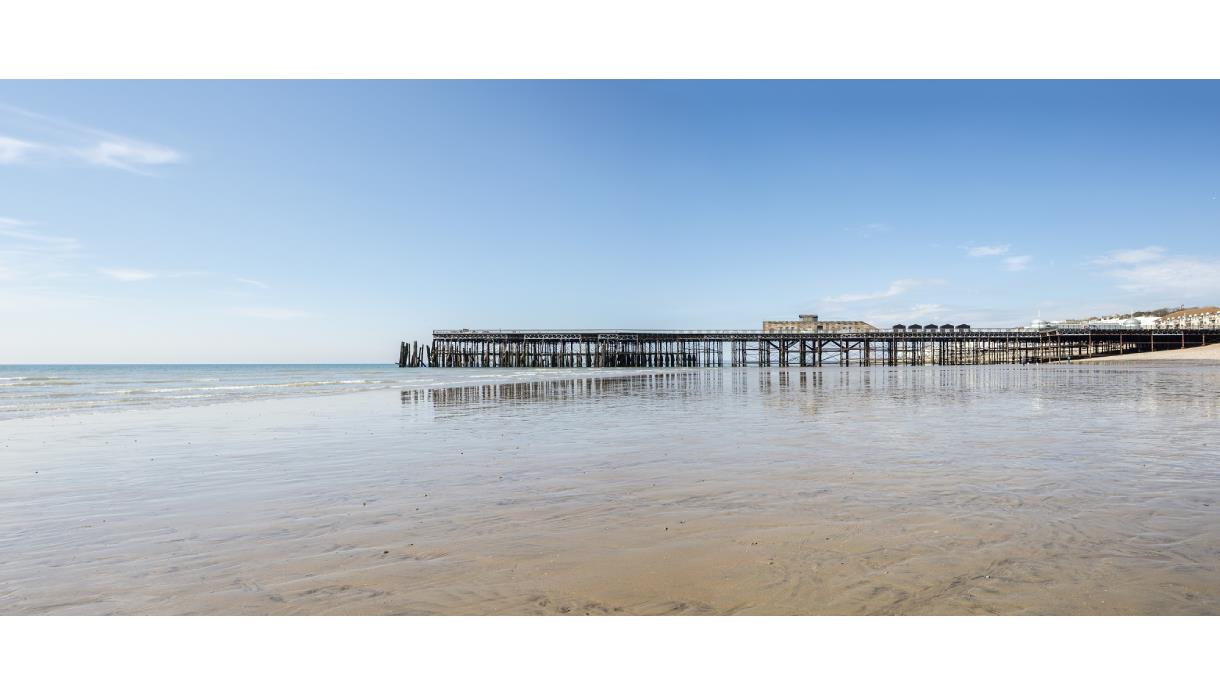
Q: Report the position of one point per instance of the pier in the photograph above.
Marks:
(718, 348)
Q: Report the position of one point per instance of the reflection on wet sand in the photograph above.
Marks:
(656, 385)
(908, 385)
(954, 490)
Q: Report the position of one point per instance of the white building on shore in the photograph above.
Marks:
(1132, 323)
(1108, 323)
(1205, 317)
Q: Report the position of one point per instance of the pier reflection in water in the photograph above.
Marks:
(1150, 387)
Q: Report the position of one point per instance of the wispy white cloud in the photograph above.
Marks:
(1017, 263)
(43, 273)
(1150, 271)
(33, 241)
(896, 288)
(981, 251)
(52, 140)
(929, 312)
(871, 229)
(919, 311)
(13, 150)
(268, 313)
(124, 274)
(128, 155)
(908, 313)
(1130, 256)
(32, 265)
(29, 256)
(127, 274)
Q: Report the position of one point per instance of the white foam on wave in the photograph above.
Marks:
(240, 387)
(35, 381)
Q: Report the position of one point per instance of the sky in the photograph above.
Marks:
(246, 222)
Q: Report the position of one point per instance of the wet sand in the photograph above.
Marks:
(1209, 353)
(991, 490)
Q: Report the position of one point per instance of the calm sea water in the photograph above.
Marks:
(41, 390)
(1082, 489)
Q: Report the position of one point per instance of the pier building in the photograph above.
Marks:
(809, 323)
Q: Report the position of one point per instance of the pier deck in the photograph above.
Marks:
(714, 348)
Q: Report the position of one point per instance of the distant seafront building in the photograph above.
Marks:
(1129, 322)
(1205, 317)
(1126, 323)
(809, 323)
(1147, 321)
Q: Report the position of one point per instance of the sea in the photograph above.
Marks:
(32, 390)
(369, 489)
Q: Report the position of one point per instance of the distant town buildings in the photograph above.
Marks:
(1190, 318)
(809, 323)
(1134, 323)
(1205, 317)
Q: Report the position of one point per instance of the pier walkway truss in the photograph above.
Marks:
(715, 348)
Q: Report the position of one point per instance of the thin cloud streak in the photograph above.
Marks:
(1017, 263)
(907, 314)
(129, 156)
(268, 313)
(31, 257)
(896, 288)
(872, 228)
(983, 251)
(127, 274)
(13, 150)
(77, 143)
(252, 283)
(1149, 271)
(1130, 256)
(1188, 277)
(135, 275)
(39, 242)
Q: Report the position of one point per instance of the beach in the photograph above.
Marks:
(1208, 353)
(1083, 489)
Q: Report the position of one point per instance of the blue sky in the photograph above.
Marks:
(325, 221)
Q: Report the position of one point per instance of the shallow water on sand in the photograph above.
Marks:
(43, 390)
(929, 490)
